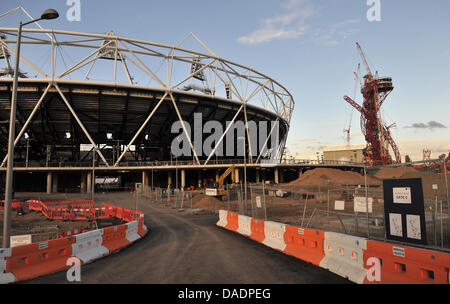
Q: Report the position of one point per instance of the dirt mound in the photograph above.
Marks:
(207, 202)
(397, 172)
(324, 176)
(428, 179)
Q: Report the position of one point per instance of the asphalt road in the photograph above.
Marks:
(191, 249)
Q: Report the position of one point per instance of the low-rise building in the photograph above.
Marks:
(352, 153)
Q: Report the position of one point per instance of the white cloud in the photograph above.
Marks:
(288, 25)
(288, 18)
(293, 4)
(268, 34)
(336, 32)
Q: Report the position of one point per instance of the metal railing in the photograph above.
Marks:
(178, 163)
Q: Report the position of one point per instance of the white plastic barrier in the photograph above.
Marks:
(89, 246)
(132, 231)
(244, 225)
(344, 256)
(5, 277)
(274, 235)
(222, 218)
(143, 225)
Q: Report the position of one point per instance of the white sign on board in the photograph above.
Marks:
(19, 240)
(435, 186)
(402, 195)
(339, 205)
(413, 226)
(395, 224)
(258, 201)
(360, 205)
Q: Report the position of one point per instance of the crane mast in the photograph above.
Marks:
(363, 57)
(347, 131)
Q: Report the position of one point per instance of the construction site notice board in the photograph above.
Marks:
(404, 210)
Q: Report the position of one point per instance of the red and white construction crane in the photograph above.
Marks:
(349, 125)
(377, 134)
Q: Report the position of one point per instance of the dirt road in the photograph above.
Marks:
(182, 248)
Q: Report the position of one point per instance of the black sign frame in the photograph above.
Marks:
(416, 208)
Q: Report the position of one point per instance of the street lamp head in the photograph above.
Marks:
(49, 14)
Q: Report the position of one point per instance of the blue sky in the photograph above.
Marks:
(309, 47)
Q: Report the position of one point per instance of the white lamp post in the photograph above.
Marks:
(46, 15)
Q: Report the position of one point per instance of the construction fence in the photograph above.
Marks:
(354, 209)
(175, 198)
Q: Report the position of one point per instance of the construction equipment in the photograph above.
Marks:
(347, 131)
(378, 137)
(220, 189)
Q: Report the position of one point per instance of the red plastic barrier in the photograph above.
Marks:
(119, 212)
(110, 210)
(232, 221)
(15, 204)
(127, 215)
(35, 205)
(257, 228)
(305, 244)
(37, 259)
(408, 265)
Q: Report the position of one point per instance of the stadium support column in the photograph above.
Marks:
(83, 183)
(257, 176)
(169, 179)
(55, 183)
(89, 182)
(49, 182)
(183, 178)
(199, 178)
(144, 179)
(276, 176)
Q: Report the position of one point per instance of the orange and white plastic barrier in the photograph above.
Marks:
(403, 264)
(274, 233)
(305, 244)
(222, 218)
(257, 230)
(114, 238)
(232, 221)
(37, 259)
(132, 231)
(244, 225)
(5, 277)
(344, 256)
(70, 233)
(89, 246)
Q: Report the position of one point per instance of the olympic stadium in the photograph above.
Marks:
(106, 102)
